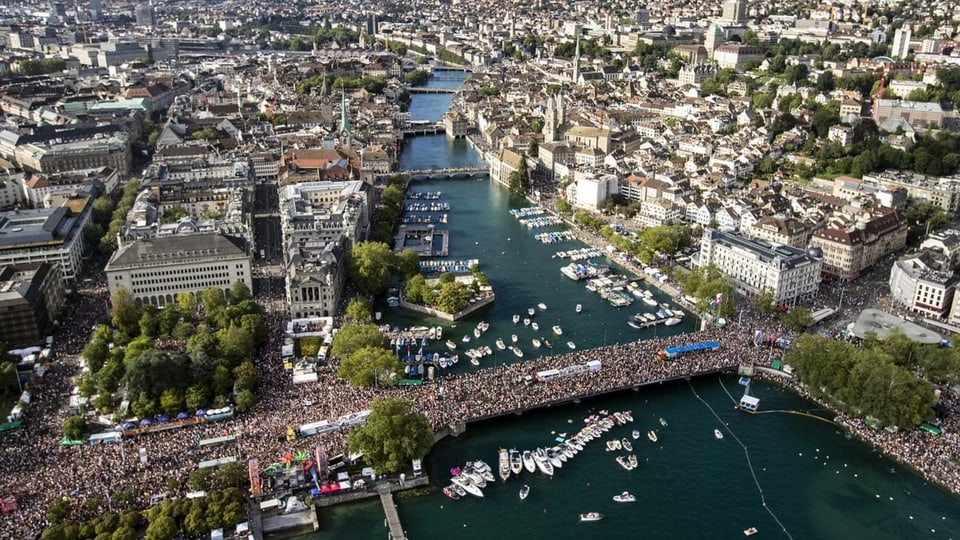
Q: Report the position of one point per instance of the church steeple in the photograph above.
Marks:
(344, 121)
(576, 62)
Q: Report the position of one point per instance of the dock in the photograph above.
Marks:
(392, 517)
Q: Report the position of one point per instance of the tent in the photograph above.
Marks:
(201, 412)
(162, 418)
(183, 416)
(128, 425)
(145, 422)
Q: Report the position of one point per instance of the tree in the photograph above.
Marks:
(353, 337)
(358, 310)
(454, 297)
(149, 325)
(245, 399)
(408, 264)
(212, 300)
(74, 428)
(197, 397)
(124, 314)
(392, 435)
(58, 511)
(519, 180)
(370, 266)
(187, 303)
(236, 343)
(162, 528)
(370, 366)
(239, 292)
(765, 301)
(798, 318)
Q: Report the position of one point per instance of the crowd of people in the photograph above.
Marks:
(93, 479)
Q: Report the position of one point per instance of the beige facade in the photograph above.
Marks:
(789, 231)
(850, 248)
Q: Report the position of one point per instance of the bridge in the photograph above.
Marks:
(431, 128)
(429, 90)
(447, 173)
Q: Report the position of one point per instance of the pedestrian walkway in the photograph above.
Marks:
(393, 518)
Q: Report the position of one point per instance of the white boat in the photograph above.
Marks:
(579, 308)
(572, 345)
(516, 462)
(465, 338)
(750, 532)
(524, 491)
(625, 444)
(526, 321)
(663, 422)
(529, 463)
(717, 434)
(649, 301)
(467, 485)
(536, 342)
(439, 332)
(626, 496)
(672, 321)
(516, 351)
(516, 318)
(513, 338)
(543, 462)
(504, 458)
(557, 330)
(377, 316)
(636, 434)
(535, 326)
(531, 312)
(613, 445)
(474, 361)
(625, 463)
(542, 306)
(451, 345)
(652, 435)
(500, 344)
(628, 415)
(476, 332)
(591, 516)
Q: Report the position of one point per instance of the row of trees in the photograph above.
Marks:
(372, 264)
(389, 209)
(878, 379)
(108, 242)
(359, 346)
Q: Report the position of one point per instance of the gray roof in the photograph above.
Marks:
(163, 251)
(881, 323)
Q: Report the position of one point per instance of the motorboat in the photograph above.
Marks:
(652, 435)
(632, 458)
(579, 308)
(516, 351)
(465, 338)
(542, 306)
(591, 516)
(614, 445)
(636, 434)
(672, 321)
(483, 326)
(625, 463)
(516, 318)
(451, 345)
(439, 332)
(547, 344)
(451, 493)
(476, 332)
(516, 462)
(377, 316)
(649, 301)
(536, 342)
(543, 462)
(717, 434)
(467, 485)
(572, 345)
(526, 321)
(626, 496)
(524, 491)
(535, 326)
(750, 532)
(500, 344)
(531, 312)
(556, 458)
(513, 338)
(504, 458)
(557, 330)
(625, 444)
(529, 463)
(663, 422)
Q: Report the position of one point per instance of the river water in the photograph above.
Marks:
(789, 475)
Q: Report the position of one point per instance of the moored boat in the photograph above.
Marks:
(529, 463)
(504, 458)
(451, 493)
(591, 516)
(543, 462)
(516, 462)
(636, 434)
(531, 312)
(626, 496)
(535, 326)
(500, 344)
(557, 330)
(717, 434)
(672, 321)
(451, 345)
(572, 345)
(652, 435)
(516, 351)
(536, 342)
(524, 491)
(526, 321)
(467, 485)
(439, 332)
(513, 338)
(516, 318)
(625, 444)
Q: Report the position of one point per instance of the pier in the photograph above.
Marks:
(393, 518)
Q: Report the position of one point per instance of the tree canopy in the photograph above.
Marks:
(370, 266)
(392, 435)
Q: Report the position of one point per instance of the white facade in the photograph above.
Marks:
(755, 265)
(901, 43)
(920, 288)
(589, 190)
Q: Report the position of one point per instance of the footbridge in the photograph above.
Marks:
(431, 90)
(446, 173)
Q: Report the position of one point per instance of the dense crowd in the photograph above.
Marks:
(37, 470)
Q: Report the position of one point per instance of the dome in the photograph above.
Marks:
(815, 252)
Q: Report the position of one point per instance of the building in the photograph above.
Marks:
(901, 43)
(144, 15)
(455, 125)
(503, 164)
(158, 269)
(789, 231)
(947, 243)
(31, 296)
(919, 114)
(57, 155)
(695, 74)
(843, 135)
(943, 192)
(737, 55)
(920, 283)
(735, 12)
(53, 235)
(756, 265)
(590, 190)
(851, 246)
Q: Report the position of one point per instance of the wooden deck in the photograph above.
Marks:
(393, 518)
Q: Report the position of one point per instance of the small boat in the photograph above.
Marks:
(516, 351)
(526, 321)
(557, 330)
(467, 485)
(572, 345)
(535, 326)
(625, 444)
(504, 459)
(591, 516)
(529, 463)
(717, 434)
(516, 462)
(613, 445)
(500, 344)
(672, 321)
(465, 338)
(750, 532)
(377, 316)
(636, 434)
(474, 361)
(579, 308)
(524, 491)
(547, 344)
(531, 312)
(652, 435)
(663, 422)
(451, 345)
(543, 462)
(476, 332)
(628, 415)
(536, 342)
(542, 306)
(439, 332)
(626, 496)
(513, 338)
(516, 318)
(451, 492)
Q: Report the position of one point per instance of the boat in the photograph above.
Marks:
(500, 344)
(625, 444)
(672, 321)
(632, 458)
(536, 342)
(516, 351)
(628, 415)
(717, 434)
(504, 464)
(547, 344)
(439, 332)
(636, 434)
(543, 462)
(465, 338)
(516, 318)
(513, 338)
(649, 301)
(557, 330)
(467, 484)
(626, 496)
(591, 516)
(524, 491)
(529, 463)
(451, 345)
(476, 332)
(613, 445)
(542, 306)
(663, 422)
(750, 532)
(377, 316)
(652, 435)
(535, 326)
(526, 321)
(572, 345)
(451, 493)
(516, 462)
(531, 312)
(474, 361)
(579, 308)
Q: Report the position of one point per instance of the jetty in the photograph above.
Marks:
(392, 517)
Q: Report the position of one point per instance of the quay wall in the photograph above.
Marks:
(449, 317)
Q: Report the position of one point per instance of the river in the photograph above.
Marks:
(790, 475)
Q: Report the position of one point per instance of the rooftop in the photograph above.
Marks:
(881, 324)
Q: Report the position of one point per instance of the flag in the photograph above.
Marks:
(719, 298)
(758, 335)
(713, 304)
(420, 352)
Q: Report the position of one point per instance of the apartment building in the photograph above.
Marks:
(850, 246)
(31, 296)
(789, 231)
(920, 283)
(52, 235)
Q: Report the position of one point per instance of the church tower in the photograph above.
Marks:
(550, 122)
(345, 135)
(576, 63)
